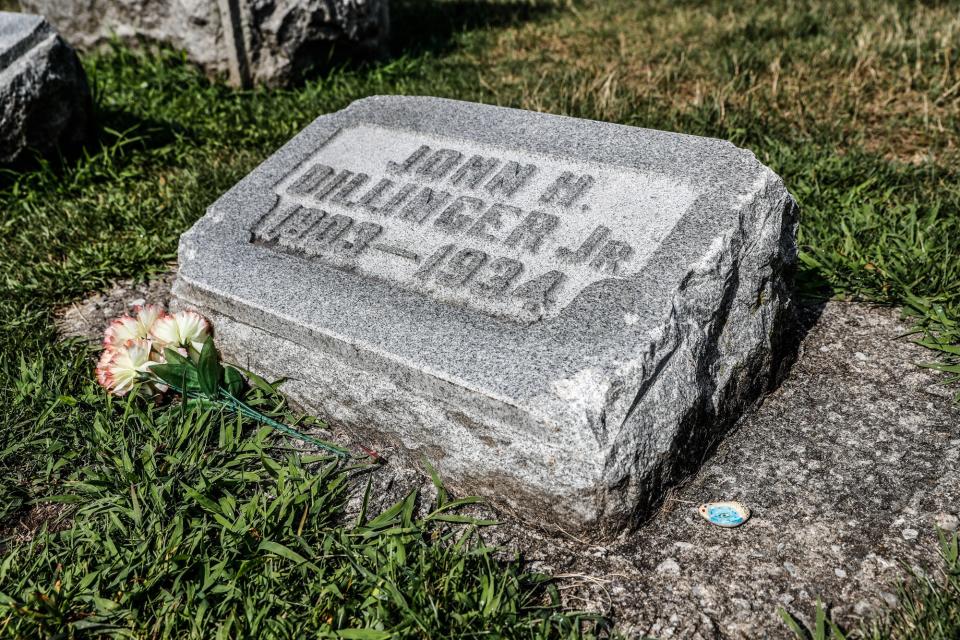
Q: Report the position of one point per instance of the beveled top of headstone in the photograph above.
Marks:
(499, 249)
(19, 32)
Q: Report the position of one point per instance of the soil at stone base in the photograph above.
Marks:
(848, 467)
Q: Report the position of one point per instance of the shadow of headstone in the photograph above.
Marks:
(432, 26)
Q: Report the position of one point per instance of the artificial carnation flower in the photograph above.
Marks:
(123, 366)
(182, 329)
(128, 364)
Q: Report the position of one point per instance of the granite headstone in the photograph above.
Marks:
(560, 314)
(44, 99)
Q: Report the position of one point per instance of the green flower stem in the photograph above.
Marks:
(228, 400)
(241, 407)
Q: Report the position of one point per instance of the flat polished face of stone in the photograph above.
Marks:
(506, 233)
(537, 300)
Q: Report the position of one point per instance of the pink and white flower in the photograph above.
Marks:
(121, 367)
(181, 329)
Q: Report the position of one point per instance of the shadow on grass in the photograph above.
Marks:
(432, 26)
(116, 137)
(150, 133)
(422, 27)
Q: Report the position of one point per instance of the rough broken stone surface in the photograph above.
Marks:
(857, 446)
(44, 99)
(269, 42)
(560, 314)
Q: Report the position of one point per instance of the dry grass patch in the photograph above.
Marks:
(880, 76)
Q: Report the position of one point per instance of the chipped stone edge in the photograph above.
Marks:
(641, 466)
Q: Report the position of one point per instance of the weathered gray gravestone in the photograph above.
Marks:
(270, 43)
(44, 98)
(558, 313)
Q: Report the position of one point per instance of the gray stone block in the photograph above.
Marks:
(560, 314)
(44, 98)
(269, 42)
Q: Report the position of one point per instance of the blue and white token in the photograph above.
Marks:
(724, 514)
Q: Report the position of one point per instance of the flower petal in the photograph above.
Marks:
(164, 332)
(146, 316)
(192, 328)
(120, 330)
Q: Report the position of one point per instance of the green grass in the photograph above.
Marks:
(856, 105)
(190, 524)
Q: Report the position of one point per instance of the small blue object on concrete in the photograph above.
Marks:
(725, 514)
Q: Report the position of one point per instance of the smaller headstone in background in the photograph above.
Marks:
(44, 98)
(252, 42)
